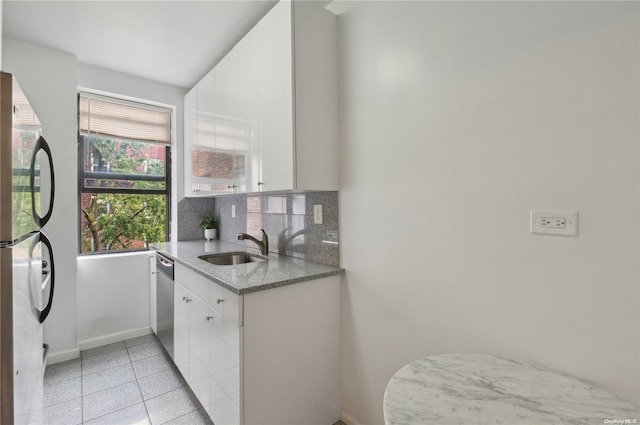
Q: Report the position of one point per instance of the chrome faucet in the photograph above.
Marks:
(264, 244)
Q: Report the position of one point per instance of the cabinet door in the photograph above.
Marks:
(224, 366)
(222, 157)
(275, 99)
(181, 329)
(200, 319)
(203, 155)
(243, 63)
(191, 142)
(153, 294)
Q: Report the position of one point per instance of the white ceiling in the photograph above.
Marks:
(171, 41)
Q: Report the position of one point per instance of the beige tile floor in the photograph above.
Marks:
(133, 382)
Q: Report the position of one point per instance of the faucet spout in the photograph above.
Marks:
(263, 244)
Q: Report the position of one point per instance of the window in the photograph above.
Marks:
(124, 174)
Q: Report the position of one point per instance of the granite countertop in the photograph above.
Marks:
(480, 389)
(244, 278)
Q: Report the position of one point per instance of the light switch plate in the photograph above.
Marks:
(564, 223)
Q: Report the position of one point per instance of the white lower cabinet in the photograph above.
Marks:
(200, 326)
(265, 358)
(181, 329)
(224, 372)
(207, 355)
(153, 294)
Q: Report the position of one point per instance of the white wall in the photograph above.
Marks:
(48, 78)
(113, 290)
(113, 298)
(122, 281)
(457, 118)
(51, 80)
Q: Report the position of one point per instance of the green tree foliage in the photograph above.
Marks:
(121, 156)
(122, 221)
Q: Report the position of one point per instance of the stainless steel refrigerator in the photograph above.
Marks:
(27, 186)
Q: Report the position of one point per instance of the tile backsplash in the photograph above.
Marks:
(287, 218)
(190, 212)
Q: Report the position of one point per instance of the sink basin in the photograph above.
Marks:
(232, 258)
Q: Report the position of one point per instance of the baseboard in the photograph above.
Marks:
(62, 356)
(348, 420)
(115, 337)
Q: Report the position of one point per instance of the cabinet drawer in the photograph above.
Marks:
(219, 298)
(193, 281)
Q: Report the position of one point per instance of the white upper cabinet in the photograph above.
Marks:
(315, 97)
(266, 114)
(191, 142)
(240, 71)
(205, 150)
(229, 164)
(275, 101)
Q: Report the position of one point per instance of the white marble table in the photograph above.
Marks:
(479, 389)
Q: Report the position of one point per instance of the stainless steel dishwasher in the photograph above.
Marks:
(164, 301)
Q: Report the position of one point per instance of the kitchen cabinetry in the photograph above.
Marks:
(220, 126)
(181, 329)
(207, 361)
(206, 345)
(214, 157)
(153, 317)
(267, 357)
(271, 105)
(199, 143)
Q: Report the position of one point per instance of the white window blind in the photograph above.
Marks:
(119, 118)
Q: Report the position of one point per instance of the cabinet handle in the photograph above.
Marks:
(219, 300)
(186, 299)
(209, 318)
(232, 186)
(260, 183)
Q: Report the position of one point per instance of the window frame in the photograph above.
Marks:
(83, 174)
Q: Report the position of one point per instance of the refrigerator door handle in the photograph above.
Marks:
(41, 144)
(50, 275)
(45, 354)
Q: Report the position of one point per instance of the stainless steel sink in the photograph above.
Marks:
(232, 258)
